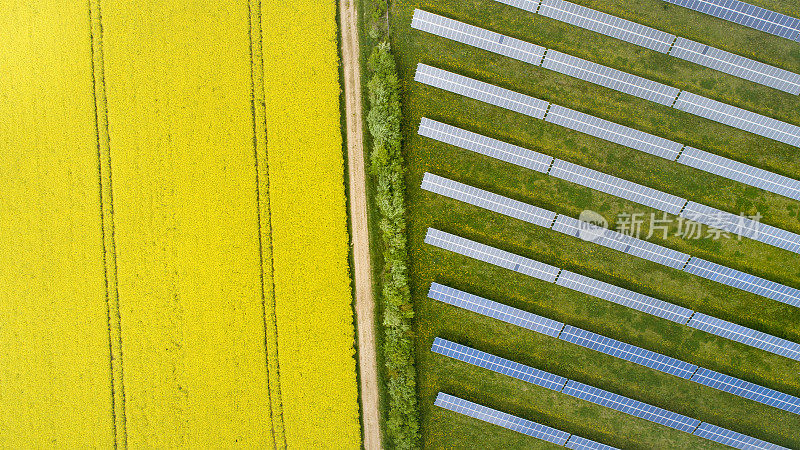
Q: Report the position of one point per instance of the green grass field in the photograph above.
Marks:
(443, 429)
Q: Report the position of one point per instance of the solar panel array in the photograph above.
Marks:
(744, 281)
(491, 255)
(736, 65)
(578, 443)
(738, 118)
(616, 186)
(607, 24)
(617, 349)
(527, 5)
(746, 389)
(610, 78)
(745, 336)
(733, 439)
(478, 37)
(748, 15)
(742, 173)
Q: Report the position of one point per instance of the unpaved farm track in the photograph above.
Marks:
(365, 306)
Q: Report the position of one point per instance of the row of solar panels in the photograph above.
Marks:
(611, 239)
(659, 41)
(608, 131)
(608, 77)
(598, 396)
(748, 15)
(615, 348)
(611, 293)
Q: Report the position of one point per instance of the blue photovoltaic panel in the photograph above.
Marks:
(485, 199)
(610, 78)
(746, 336)
(618, 241)
(746, 389)
(736, 65)
(484, 145)
(496, 310)
(742, 226)
(733, 439)
(576, 442)
(491, 255)
(477, 37)
(630, 406)
(628, 352)
(527, 5)
(617, 186)
(481, 91)
(502, 419)
(744, 281)
(607, 24)
(742, 173)
(497, 364)
(739, 118)
(624, 297)
(748, 15)
(613, 132)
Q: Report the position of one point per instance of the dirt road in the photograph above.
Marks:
(365, 303)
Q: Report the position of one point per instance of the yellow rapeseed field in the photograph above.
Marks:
(310, 242)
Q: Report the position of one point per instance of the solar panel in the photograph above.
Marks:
(576, 442)
(502, 419)
(618, 241)
(617, 186)
(742, 226)
(628, 352)
(481, 91)
(610, 78)
(477, 37)
(746, 336)
(732, 438)
(748, 390)
(613, 132)
(624, 297)
(630, 406)
(527, 5)
(497, 364)
(736, 65)
(484, 145)
(491, 255)
(607, 24)
(742, 173)
(495, 310)
(744, 281)
(738, 118)
(747, 15)
(485, 199)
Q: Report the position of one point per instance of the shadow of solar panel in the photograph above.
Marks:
(628, 352)
(606, 24)
(742, 173)
(742, 226)
(484, 145)
(745, 336)
(477, 37)
(738, 118)
(748, 15)
(744, 281)
(630, 406)
(478, 90)
(610, 78)
(612, 132)
(576, 442)
(491, 255)
(747, 390)
(624, 297)
(527, 5)
(502, 419)
(487, 200)
(497, 364)
(736, 65)
(617, 186)
(495, 310)
(733, 439)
